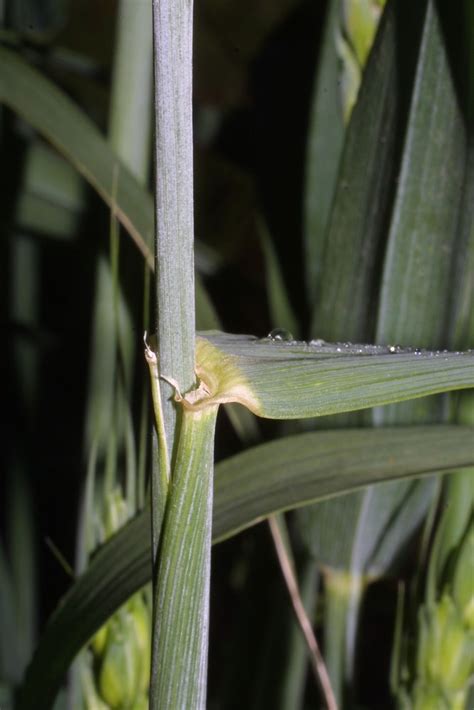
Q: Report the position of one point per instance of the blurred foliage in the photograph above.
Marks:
(437, 666)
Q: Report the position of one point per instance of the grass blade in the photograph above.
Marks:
(325, 144)
(68, 128)
(290, 380)
(362, 198)
(430, 189)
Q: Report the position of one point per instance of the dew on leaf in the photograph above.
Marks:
(280, 334)
(318, 342)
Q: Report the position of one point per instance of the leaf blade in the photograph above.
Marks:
(280, 380)
(124, 564)
(27, 92)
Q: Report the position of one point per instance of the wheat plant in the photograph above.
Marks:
(344, 408)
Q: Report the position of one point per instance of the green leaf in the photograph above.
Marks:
(342, 534)
(425, 121)
(459, 497)
(362, 198)
(52, 198)
(73, 134)
(425, 214)
(290, 380)
(271, 477)
(417, 284)
(459, 489)
(324, 147)
(418, 280)
(368, 527)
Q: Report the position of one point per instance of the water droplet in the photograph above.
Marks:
(280, 334)
(318, 342)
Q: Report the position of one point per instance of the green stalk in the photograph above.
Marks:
(182, 578)
(181, 610)
(130, 103)
(174, 256)
(343, 592)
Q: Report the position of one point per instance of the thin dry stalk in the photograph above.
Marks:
(315, 656)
